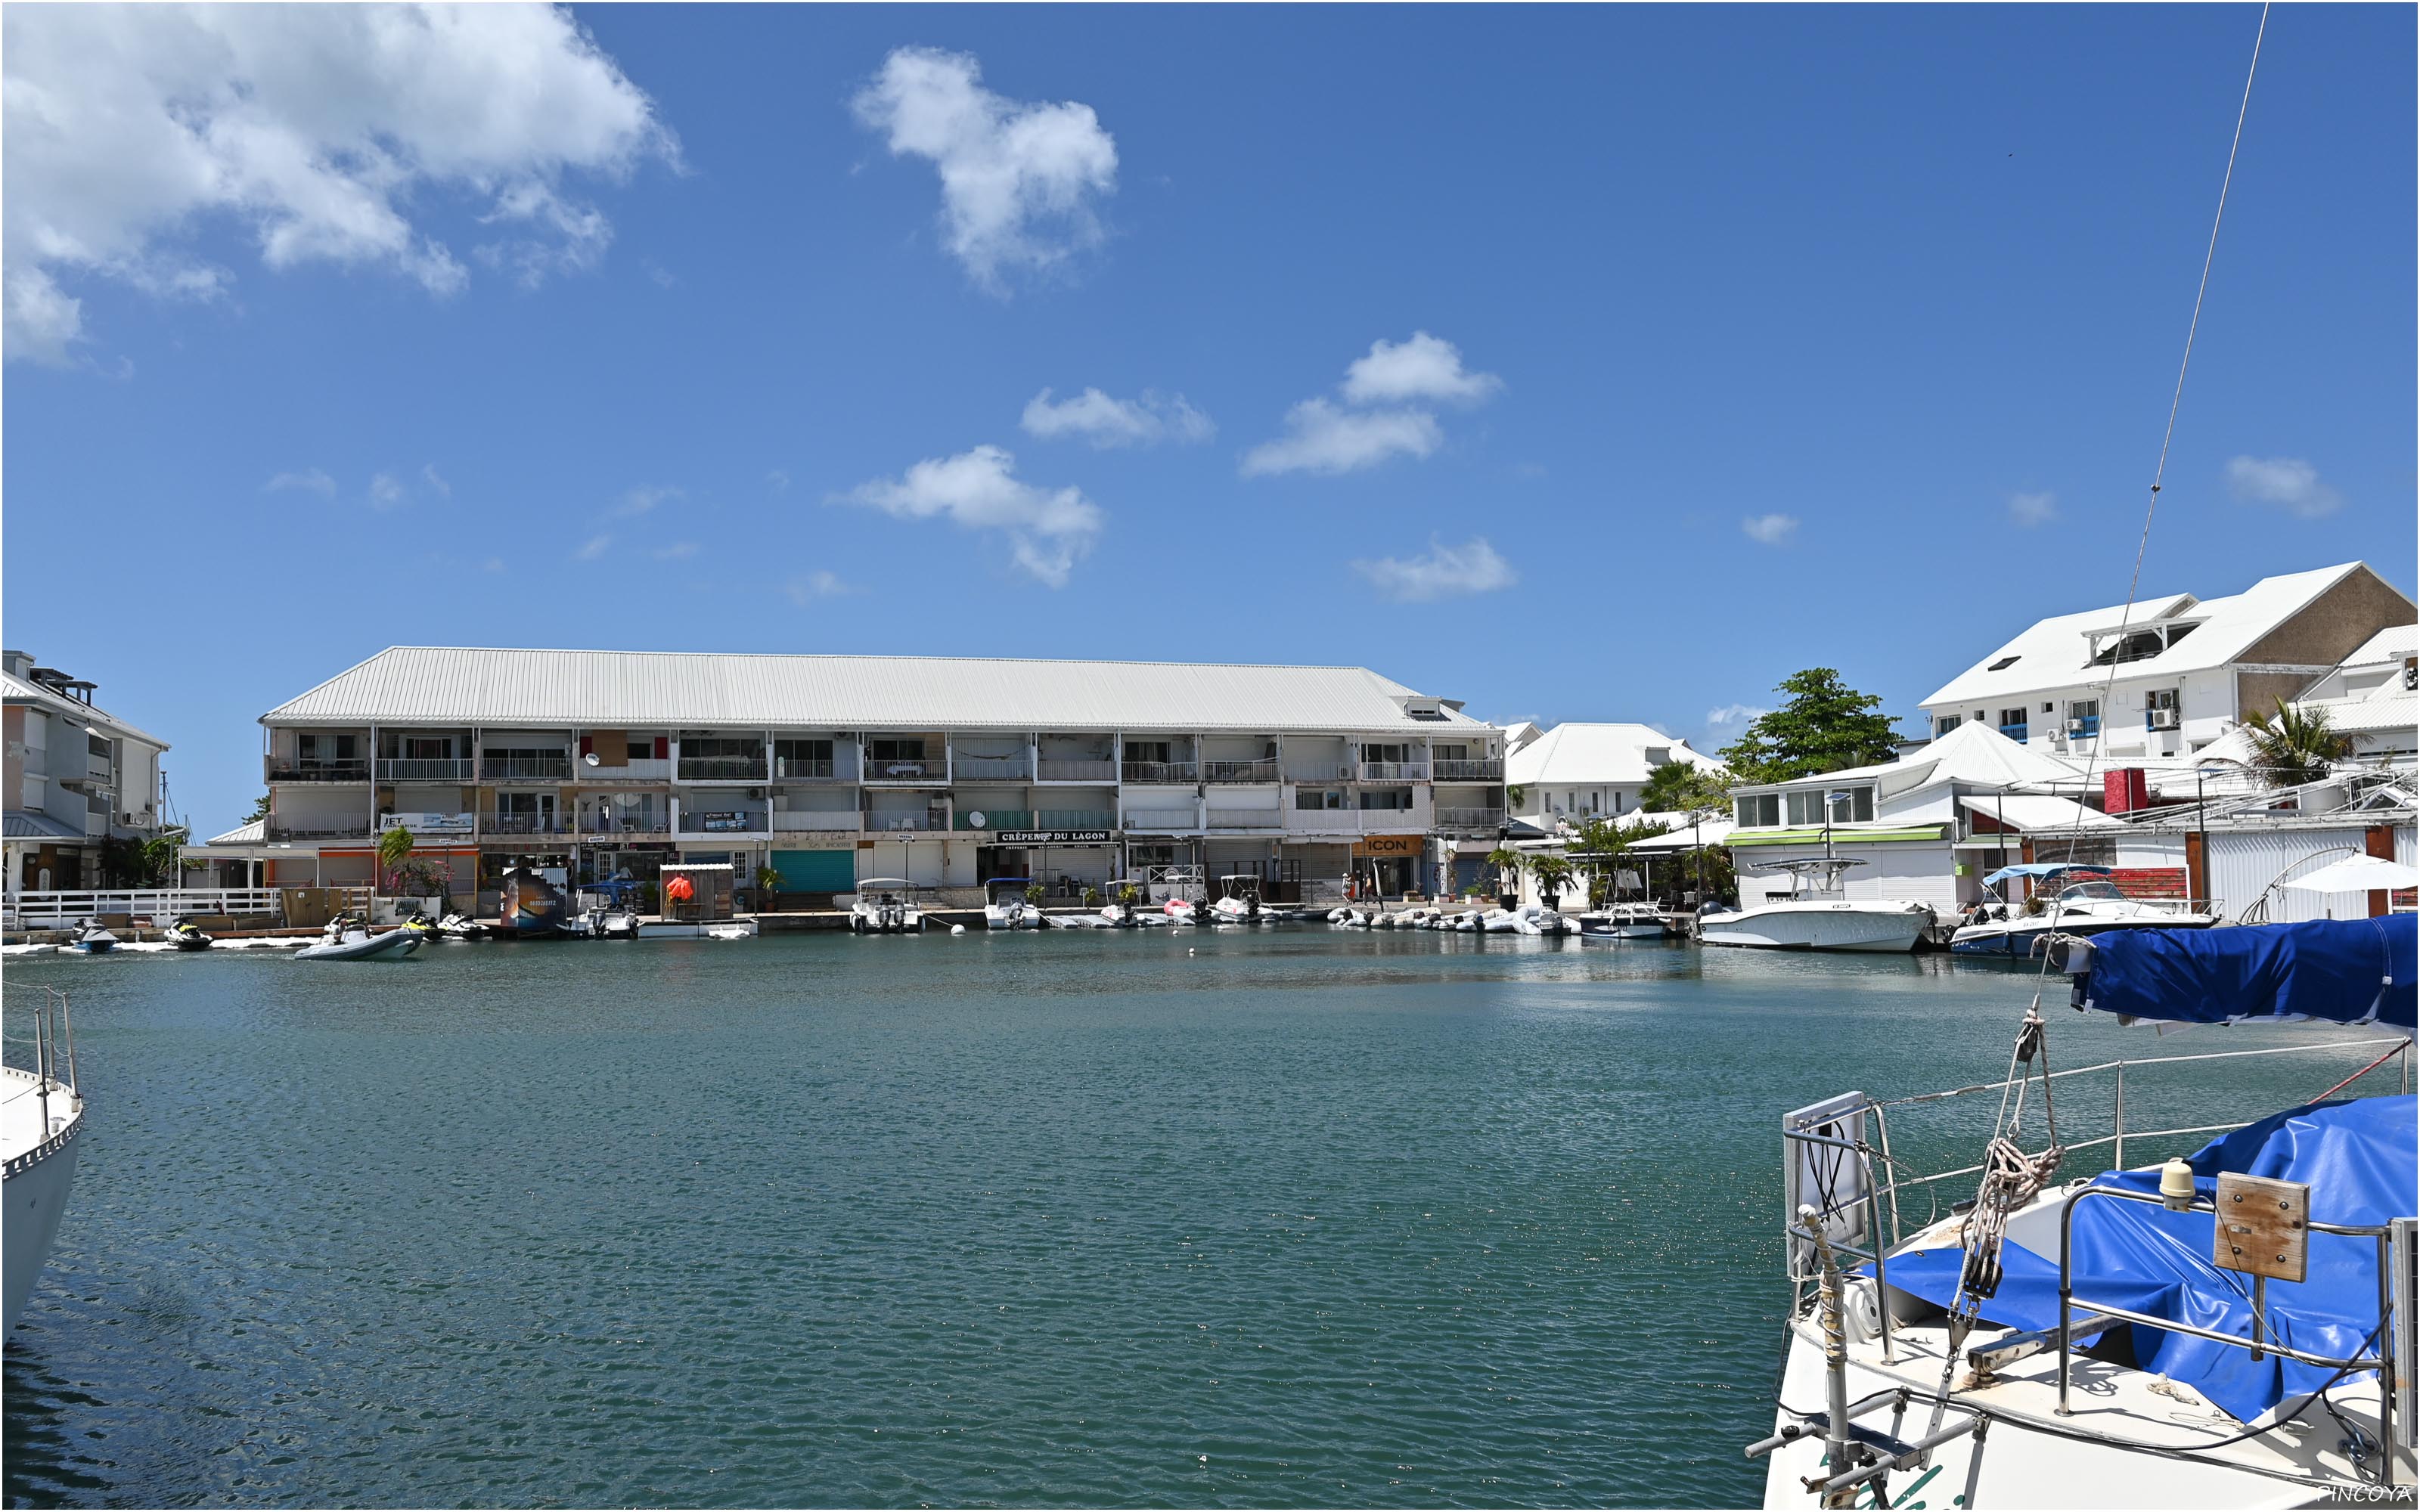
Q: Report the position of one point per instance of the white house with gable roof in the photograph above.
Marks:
(1578, 771)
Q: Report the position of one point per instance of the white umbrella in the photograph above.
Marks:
(2358, 873)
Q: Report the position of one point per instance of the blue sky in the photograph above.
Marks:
(1744, 339)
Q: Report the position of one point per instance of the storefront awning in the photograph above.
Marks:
(1813, 834)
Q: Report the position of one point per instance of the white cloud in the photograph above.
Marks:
(312, 481)
(591, 549)
(1048, 530)
(820, 583)
(1105, 422)
(644, 498)
(677, 551)
(493, 564)
(1742, 715)
(428, 475)
(386, 491)
(1018, 179)
(1445, 572)
(320, 130)
(1319, 438)
(2033, 509)
(1771, 530)
(2287, 482)
(1425, 367)
(778, 481)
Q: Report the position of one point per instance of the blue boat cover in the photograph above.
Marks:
(2345, 970)
(2363, 1164)
(2044, 869)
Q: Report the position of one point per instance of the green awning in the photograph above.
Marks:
(1814, 836)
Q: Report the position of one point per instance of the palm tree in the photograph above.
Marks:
(394, 849)
(1552, 874)
(2294, 745)
(1505, 860)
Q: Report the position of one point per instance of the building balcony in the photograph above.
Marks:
(1016, 768)
(523, 823)
(995, 819)
(724, 821)
(1470, 823)
(1395, 771)
(907, 772)
(1160, 772)
(1076, 769)
(1245, 819)
(1491, 770)
(2083, 727)
(1264, 770)
(420, 769)
(626, 824)
(281, 770)
(906, 823)
(1162, 821)
(316, 828)
(2014, 731)
(813, 769)
(525, 770)
(721, 769)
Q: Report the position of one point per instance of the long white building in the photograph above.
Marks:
(76, 776)
(945, 771)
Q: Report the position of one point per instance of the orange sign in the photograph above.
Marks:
(1389, 845)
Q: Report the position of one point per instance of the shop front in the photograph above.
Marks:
(1387, 865)
(1065, 861)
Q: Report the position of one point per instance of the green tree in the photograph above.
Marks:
(1505, 860)
(259, 808)
(1602, 843)
(394, 849)
(1677, 787)
(1825, 725)
(1551, 872)
(2294, 745)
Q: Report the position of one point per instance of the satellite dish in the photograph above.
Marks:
(976, 818)
(591, 759)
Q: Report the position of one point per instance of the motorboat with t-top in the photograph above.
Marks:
(1816, 913)
(2086, 903)
(2222, 1318)
(1005, 905)
(1240, 899)
(41, 1114)
(887, 906)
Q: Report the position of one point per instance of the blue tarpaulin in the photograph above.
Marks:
(2359, 1158)
(2345, 970)
(2044, 868)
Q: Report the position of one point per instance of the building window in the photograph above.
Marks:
(1149, 751)
(1318, 798)
(1761, 811)
(1942, 724)
(2084, 717)
(1391, 798)
(428, 748)
(804, 751)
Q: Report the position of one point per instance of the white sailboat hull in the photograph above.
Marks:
(1827, 925)
(35, 1198)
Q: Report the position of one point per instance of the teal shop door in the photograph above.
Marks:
(816, 871)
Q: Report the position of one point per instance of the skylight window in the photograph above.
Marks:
(2002, 665)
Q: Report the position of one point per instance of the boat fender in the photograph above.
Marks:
(957, 928)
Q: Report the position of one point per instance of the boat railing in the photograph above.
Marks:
(39, 1035)
(1839, 1157)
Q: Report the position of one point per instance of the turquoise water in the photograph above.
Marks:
(1201, 1219)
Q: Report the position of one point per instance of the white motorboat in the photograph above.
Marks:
(2099, 1341)
(1623, 922)
(92, 939)
(2004, 926)
(348, 938)
(41, 1116)
(1123, 908)
(887, 906)
(1815, 914)
(1181, 911)
(1239, 901)
(1004, 904)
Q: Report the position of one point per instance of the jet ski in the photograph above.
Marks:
(187, 935)
(92, 939)
(348, 938)
(457, 927)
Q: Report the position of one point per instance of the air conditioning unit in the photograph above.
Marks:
(2162, 719)
(1344, 771)
(2075, 727)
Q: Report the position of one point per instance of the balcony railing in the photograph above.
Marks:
(1245, 819)
(1490, 770)
(721, 769)
(1470, 822)
(1078, 769)
(2084, 726)
(1074, 819)
(995, 819)
(524, 823)
(884, 823)
(318, 828)
(1160, 772)
(1395, 771)
(1161, 820)
(1017, 768)
(524, 768)
(806, 769)
(286, 771)
(641, 822)
(423, 770)
(1264, 770)
(2014, 731)
(722, 822)
(795, 821)
(910, 769)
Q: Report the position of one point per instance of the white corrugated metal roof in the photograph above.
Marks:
(18, 689)
(646, 689)
(2035, 811)
(1586, 753)
(2055, 654)
(1973, 753)
(252, 833)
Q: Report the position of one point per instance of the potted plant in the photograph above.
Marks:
(1035, 893)
(1505, 860)
(768, 882)
(1552, 874)
(1092, 895)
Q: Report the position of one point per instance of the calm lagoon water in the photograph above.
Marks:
(1199, 1219)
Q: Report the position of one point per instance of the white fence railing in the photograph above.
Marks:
(48, 909)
